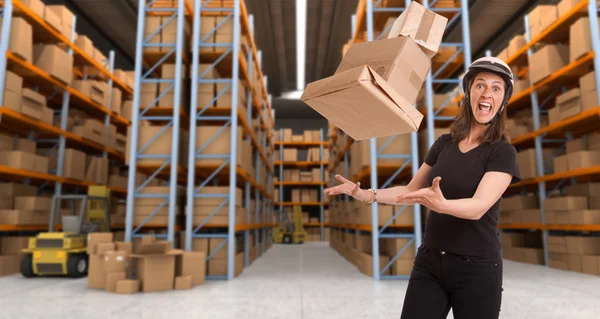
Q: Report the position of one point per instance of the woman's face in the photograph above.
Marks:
(487, 94)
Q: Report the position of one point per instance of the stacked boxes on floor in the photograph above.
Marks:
(10, 253)
(358, 250)
(150, 266)
(523, 247)
(574, 253)
(218, 249)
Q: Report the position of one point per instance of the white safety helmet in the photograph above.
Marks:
(493, 65)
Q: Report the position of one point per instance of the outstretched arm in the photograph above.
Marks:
(490, 189)
(385, 196)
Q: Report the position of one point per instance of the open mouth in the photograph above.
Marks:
(484, 107)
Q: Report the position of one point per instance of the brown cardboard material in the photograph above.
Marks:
(399, 62)
(128, 287)
(553, 115)
(14, 189)
(17, 159)
(13, 245)
(156, 266)
(96, 275)
(112, 279)
(17, 217)
(192, 264)
(66, 18)
(54, 60)
(33, 203)
(518, 203)
(589, 100)
(573, 261)
(32, 103)
(422, 25)
(587, 189)
(6, 202)
(583, 159)
(183, 282)
(85, 44)
(515, 44)
(12, 101)
(569, 103)
(584, 217)
(528, 216)
(13, 83)
(389, 112)
(576, 145)
(74, 166)
(565, 203)
(97, 238)
(103, 248)
(36, 6)
(40, 164)
(21, 39)
(583, 245)
(580, 30)
(589, 265)
(561, 164)
(565, 6)
(546, 61)
(587, 83)
(25, 145)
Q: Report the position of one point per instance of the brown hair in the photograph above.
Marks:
(461, 126)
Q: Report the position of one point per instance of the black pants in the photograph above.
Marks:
(471, 286)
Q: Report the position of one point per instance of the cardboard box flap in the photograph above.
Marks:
(412, 113)
(157, 248)
(422, 25)
(333, 84)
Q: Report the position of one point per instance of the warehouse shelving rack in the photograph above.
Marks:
(540, 94)
(58, 137)
(322, 144)
(229, 61)
(241, 68)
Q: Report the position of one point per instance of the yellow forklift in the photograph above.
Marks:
(65, 253)
(289, 232)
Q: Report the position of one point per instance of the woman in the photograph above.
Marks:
(465, 173)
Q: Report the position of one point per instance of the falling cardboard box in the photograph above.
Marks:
(373, 91)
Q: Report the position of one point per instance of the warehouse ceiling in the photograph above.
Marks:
(112, 24)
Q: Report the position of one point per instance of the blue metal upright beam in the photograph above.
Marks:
(7, 14)
(171, 159)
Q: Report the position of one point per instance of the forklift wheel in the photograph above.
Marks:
(77, 266)
(27, 266)
(287, 239)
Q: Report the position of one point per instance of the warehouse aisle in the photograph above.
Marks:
(309, 281)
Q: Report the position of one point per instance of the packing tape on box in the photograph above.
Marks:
(425, 26)
(414, 79)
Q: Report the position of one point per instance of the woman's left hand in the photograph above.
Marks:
(430, 197)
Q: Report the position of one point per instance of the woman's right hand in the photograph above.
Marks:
(349, 188)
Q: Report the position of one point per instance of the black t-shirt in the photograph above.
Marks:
(461, 174)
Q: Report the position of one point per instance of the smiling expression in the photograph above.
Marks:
(487, 94)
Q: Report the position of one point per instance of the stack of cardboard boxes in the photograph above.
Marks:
(218, 249)
(151, 266)
(583, 152)
(523, 247)
(520, 210)
(206, 206)
(358, 250)
(388, 82)
(360, 152)
(10, 254)
(25, 101)
(22, 154)
(20, 205)
(575, 253)
(578, 206)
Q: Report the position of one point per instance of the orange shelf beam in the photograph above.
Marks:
(561, 126)
(22, 173)
(32, 124)
(20, 8)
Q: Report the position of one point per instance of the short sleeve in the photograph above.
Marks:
(432, 155)
(503, 158)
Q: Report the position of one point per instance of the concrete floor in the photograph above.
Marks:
(309, 281)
